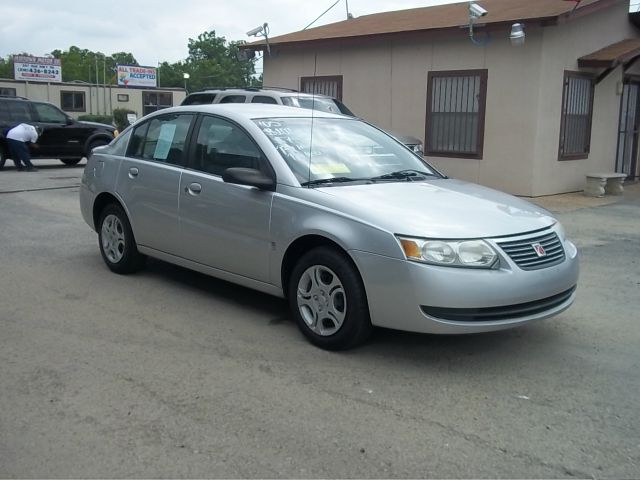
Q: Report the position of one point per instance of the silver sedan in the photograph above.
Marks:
(340, 218)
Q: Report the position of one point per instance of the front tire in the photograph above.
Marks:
(328, 300)
(117, 244)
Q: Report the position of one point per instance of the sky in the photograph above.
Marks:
(159, 30)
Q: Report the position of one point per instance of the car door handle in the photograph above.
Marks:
(133, 172)
(193, 189)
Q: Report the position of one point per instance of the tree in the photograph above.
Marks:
(91, 67)
(213, 62)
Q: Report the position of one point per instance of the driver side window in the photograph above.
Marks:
(49, 114)
(221, 144)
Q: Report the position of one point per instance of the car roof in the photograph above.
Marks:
(250, 111)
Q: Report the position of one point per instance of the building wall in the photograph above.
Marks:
(385, 82)
(98, 100)
(562, 46)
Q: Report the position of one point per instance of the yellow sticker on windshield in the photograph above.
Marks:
(331, 168)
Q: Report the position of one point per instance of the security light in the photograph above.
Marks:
(517, 35)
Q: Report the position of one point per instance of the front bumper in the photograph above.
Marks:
(416, 297)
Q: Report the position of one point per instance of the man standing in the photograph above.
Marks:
(18, 139)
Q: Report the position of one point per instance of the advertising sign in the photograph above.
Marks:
(37, 69)
(133, 76)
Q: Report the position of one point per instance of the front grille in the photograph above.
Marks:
(523, 253)
(507, 312)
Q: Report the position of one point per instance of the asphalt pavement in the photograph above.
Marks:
(169, 373)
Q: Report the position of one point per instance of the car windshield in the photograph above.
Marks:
(344, 150)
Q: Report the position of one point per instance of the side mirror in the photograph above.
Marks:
(248, 176)
(70, 121)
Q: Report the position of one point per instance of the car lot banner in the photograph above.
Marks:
(37, 69)
(134, 76)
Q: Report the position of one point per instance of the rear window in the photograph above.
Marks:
(199, 99)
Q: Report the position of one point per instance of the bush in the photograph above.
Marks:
(108, 119)
(120, 117)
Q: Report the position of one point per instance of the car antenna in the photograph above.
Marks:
(313, 108)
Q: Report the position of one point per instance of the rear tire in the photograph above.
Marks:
(3, 157)
(328, 300)
(117, 244)
(70, 161)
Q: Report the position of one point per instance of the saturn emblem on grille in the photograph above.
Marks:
(539, 249)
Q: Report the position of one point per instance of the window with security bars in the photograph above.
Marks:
(153, 101)
(326, 85)
(577, 110)
(7, 92)
(72, 101)
(455, 113)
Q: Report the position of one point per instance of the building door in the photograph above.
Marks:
(629, 129)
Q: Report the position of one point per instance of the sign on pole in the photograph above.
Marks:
(37, 69)
(135, 76)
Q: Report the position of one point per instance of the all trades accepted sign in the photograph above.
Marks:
(134, 76)
(37, 69)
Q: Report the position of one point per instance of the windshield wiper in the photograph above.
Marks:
(407, 175)
(321, 181)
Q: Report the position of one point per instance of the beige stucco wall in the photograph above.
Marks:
(562, 46)
(98, 100)
(385, 82)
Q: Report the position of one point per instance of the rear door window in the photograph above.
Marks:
(263, 99)
(199, 99)
(233, 99)
(19, 112)
(162, 139)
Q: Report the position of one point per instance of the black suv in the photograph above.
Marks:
(62, 136)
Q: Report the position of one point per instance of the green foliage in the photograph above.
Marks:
(120, 117)
(211, 62)
(91, 67)
(108, 119)
(6, 68)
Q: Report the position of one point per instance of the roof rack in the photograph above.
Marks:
(248, 89)
(14, 96)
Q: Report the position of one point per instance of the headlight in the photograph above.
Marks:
(115, 133)
(455, 253)
(418, 149)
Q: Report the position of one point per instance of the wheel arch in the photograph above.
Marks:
(93, 138)
(101, 201)
(301, 246)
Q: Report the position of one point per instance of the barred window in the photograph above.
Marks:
(324, 85)
(455, 113)
(153, 101)
(72, 101)
(577, 110)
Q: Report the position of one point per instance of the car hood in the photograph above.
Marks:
(96, 124)
(439, 208)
